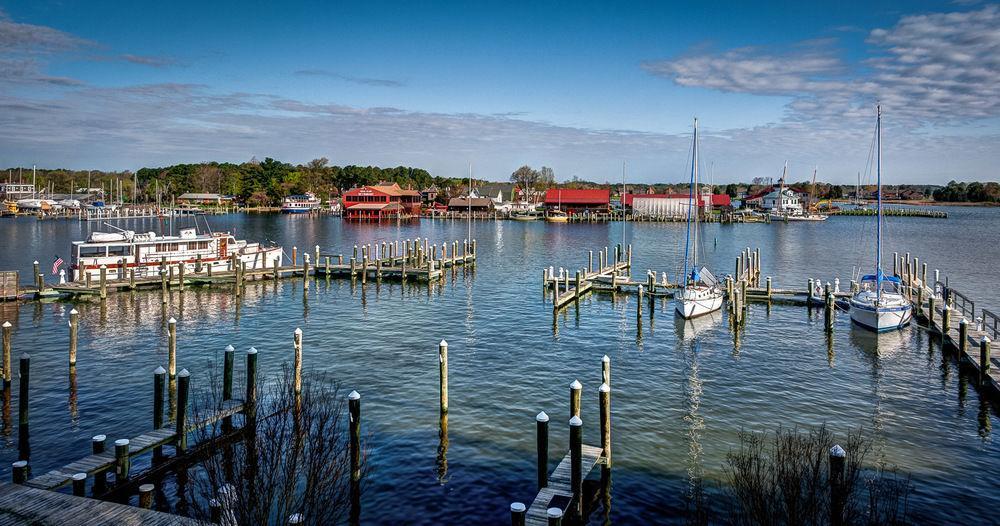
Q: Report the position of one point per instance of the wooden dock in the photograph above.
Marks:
(559, 492)
(21, 504)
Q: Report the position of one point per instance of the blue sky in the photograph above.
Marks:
(575, 86)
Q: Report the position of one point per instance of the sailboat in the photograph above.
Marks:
(557, 215)
(879, 305)
(701, 293)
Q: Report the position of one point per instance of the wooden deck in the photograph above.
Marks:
(559, 492)
(26, 505)
(92, 464)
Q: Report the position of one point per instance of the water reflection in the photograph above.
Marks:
(442, 449)
(690, 328)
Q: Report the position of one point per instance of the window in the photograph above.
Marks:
(118, 250)
(91, 252)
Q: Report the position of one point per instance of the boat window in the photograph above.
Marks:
(118, 250)
(91, 251)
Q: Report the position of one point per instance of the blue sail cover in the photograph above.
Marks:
(695, 276)
(881, 276)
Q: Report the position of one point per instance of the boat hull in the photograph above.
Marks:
(692, 303)
(880, 319)
(264, 258)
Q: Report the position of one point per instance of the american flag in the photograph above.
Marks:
(56, 264)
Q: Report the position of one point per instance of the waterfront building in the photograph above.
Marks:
(15, 191)
(477, 205)
(382, 201)
(574, 201)
(192, 198)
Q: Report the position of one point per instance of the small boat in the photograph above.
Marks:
(879, 305)
(797, 217)
(300, 204)
(701, 294)
(144, 251)
(72, 204)
(557, 216)
(524, 216)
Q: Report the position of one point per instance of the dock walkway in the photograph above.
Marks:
(27, 505)
(559, 492)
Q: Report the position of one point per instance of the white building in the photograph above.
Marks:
(789, 202)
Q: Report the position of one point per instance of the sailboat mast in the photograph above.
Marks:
(878, 176)
(623, 204)
(697, 204)
(687, 236)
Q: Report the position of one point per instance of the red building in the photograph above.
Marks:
(577, 201)
(381, 202)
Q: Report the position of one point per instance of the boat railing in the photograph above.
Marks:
(991, 324)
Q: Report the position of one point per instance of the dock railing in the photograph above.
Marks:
(991, 324)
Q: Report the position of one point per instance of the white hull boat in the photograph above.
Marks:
(697, 300)
(892, 312)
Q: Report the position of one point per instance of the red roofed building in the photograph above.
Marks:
(716, 201)
(577, 201)
(381, 202)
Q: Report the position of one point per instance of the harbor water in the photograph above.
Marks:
(681, 392)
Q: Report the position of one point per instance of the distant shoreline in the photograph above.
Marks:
(917, 202)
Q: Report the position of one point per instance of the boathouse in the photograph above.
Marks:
(574, 201)
(381, 201)
(478, 204)
(192, 198)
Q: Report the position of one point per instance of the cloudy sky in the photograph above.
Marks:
(576, 86)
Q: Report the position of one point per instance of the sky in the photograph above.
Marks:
(578, 86)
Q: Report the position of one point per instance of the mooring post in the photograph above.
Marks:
(197, 264)
(590, 261)
(769, 287)
(326, 268)
(575, 392)
(79, 484)
(923, 274)
(809, 290)
(895, 262)
(963, 338)
(74, 320)
(838, 458)
(229, 359)
(122, 461)
(828, 310)
(930, 312)
(355, 252)
(945, 320)
(180, 276)
(297, 361)
(295, 255)
(172, 347)
(39, 278)
(159, 381)
(19, 471)
(101, 477)
(183, 388)
(24, 375)
(638, 304)
(316, 259)
(104, 281)
(305, 271)
(554, 516)
(364, 269)
(739, 268)
(354, 410)
(163, 285)
(984, 358)
(443, 375)
(146, 496)
(606, 370)
(250, 400)
(578, 283)
(604, 402)
(542, 448)
(517, 513)
(576, 463)
(131, 279)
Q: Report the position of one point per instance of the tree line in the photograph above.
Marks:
(974, 192)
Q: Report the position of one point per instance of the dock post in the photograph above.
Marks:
(828, 310)
(739, 268)
(295, 255)
(590, 261)
(183, 388)
(895, 262)
(80, 484)
(305, 271)
(172, 347)
(443, 375)
(19, 471)
(170, 276)
(355, 252)
(326, 270)
(576, 463)
(131, 279)
(297, 361)
(364, 269)
(930, 312)
(353, 264)
(121, 461)
(316, 259)
(74, 320)
(769, 287)
(606, 370)
(575, 392)
(104, 281)
(180, 276)
(227, 372)
(756, 263)
(963, 336)
(604, 402)
(945, 321)
(517, 513)
(86, 279)
(566, 281)
(638, 304)
(24, 373)
(159, 380)
(838, 458)
(984, 359)
(250, 400)
(101, 477)
(6, 355)
(39, 278)
(743, 293)
(923, 274)
(630, 255)
(163, 284)
(212, 265)
(578, 283)
(146, 496)
(542, 447)
(809, 291)
(554, 516)
(354, 410)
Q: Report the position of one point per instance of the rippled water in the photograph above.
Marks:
(681, 392)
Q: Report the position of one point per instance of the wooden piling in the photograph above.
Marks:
(131, 279)
(590, 261)
(79, 484)
(769, 287)
(963, 338)
(576, 463)
(354, 410)
(250, 398)
(542, 447)
(930, 312)
(97, 443)
(517, 513)
(838, 458)
(579, 281)
(24, 376)
(159, 381)
(6, 354)
(945, 320)
(828, 310)
(104, 282)
(146, 496)
(316, 258)
(305, 271)
(297, 361)
(984, 357)
(19, 471)
(606, 370)
(554, 516)
(180, 276)
(183, 388)
(74, 319)
(604, 403)
(39, 278)
(228, 361)
(443, 375)
(295, 255)
(122, 461)
(575, 392)
(172, 347)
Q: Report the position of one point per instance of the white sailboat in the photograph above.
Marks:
(700, 294)
(879, 305)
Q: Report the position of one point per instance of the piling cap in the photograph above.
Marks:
(25, 356)
(575, 421)
(554, 513)
(6, 325)
(605, 388)
(947, 307)
(74, 311)
(184, 373)
(145, 488)
(79, 476)
(172, 320)
(35, 262)
(296, 518)
(354, 396)
(99, 438)
(19, 464)
(298, 331)
(517, 507)
(230, 348)
(443, 344)
(985, 339)
(121, 442)
(605, 359)
(837, 451)
(962, 321)
(159, 370)
(252, 350)
(542, 417)
(576, 385)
